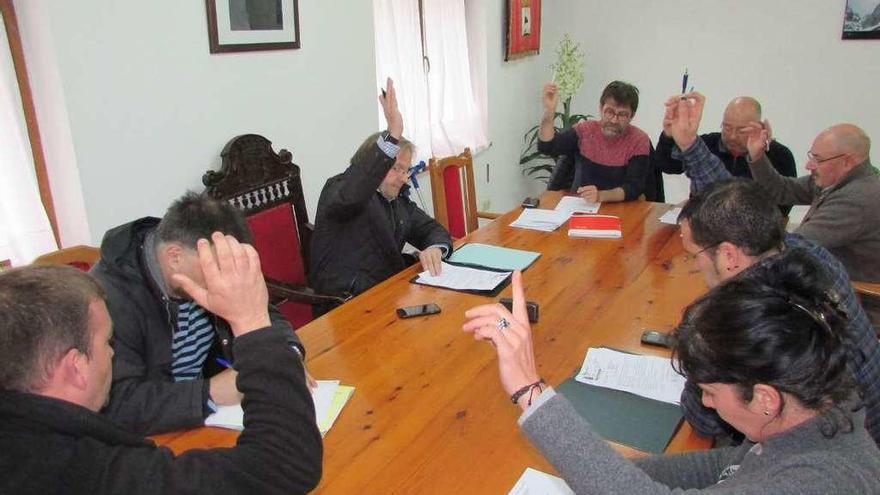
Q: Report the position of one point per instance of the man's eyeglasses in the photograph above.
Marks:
(818, 159)
(621, 115)
(401, 170)
(693, 256)
(739, 131)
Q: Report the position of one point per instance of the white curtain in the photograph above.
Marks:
(455, 120)
(440, 111)
(25, 231)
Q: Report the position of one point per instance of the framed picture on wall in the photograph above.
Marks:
(249, 25)
(861, 20)
(523, 28)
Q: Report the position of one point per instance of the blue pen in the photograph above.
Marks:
(684, 81)
(224, 363)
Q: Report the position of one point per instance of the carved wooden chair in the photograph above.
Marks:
(452, 190)
(82, 257)
(267, 187)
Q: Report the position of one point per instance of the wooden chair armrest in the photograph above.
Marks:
(867, 288)
(488, 214)
(303, 294)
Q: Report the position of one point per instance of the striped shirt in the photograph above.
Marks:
(191, 343)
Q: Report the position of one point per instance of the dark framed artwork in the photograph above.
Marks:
(861, 20)
(523, 28)
(249, 25)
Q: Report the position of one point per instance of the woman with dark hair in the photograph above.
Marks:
(768, 352)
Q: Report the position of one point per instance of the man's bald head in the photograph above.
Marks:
(835, 152)
(741, 111)
(851, 139)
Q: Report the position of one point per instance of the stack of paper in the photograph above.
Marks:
(671, 216)
(329, 398)
(646, 376)
(534, 482)
(463, 278)
(537, 219)
(575, 204)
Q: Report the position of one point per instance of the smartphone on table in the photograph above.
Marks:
(660, 339)
(418, 310)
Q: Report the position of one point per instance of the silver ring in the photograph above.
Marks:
(503, 323)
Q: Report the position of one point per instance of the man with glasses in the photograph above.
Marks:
(730, 226)
(729, 145)
(365, 216)
(611, 157)
(843, 188)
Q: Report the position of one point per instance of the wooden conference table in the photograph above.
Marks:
(428, 414)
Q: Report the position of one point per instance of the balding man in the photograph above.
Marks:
(729, 145)
(843, 188)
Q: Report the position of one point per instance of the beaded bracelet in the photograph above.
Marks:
(528, 388)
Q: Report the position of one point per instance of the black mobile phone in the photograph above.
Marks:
(531, 308)
(419, 310)
(653, 337)
(531, 202)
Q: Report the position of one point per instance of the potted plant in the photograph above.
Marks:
(569, 77)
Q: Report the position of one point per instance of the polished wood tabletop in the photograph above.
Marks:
(428, 414)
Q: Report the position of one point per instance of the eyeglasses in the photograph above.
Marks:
(818, 159)
(401, 170)
(693, 257)
(621, 115)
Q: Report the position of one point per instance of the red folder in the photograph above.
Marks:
(601, 226)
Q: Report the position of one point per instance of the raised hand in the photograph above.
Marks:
(389, 108)
(758, 137)
(234, 287)
(681, 121)
(516, 358)
(550, 98)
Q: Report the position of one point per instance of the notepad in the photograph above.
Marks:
(500, 258)
(597, 226)
(329, 398)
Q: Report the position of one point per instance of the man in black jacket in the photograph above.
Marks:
(365, 216)
(55, 373)
(730, 145)
(166, 372)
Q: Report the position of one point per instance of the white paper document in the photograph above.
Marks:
(534, 482)
(647, 376)
(329, 397)
(671, 216)
(572, 204)
(463, 278)
(538, 219)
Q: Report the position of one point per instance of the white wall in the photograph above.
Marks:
(150, 109)
(787, 53)
(146, 108)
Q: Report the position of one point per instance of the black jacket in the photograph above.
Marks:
(52, 446)
(144, 396)
(359, 234)
(779, 155)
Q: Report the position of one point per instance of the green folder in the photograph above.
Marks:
(622, 417)
(487, 256)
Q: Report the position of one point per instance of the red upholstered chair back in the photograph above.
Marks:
(267, 187)
(452, 190)
(82, 257)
